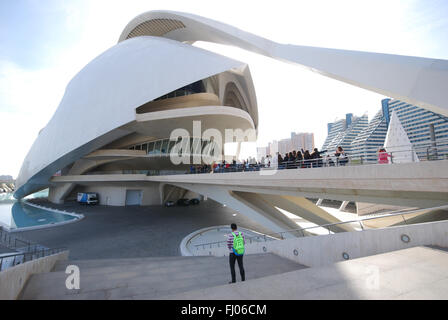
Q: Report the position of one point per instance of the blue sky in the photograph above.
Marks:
(31, 31)
(44, 43)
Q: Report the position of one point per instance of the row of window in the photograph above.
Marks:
(195, 87)
(164, 146)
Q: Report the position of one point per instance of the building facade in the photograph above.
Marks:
(297, 141)
(359, 137)
(302, 140)
(342, 132)
(118, 113)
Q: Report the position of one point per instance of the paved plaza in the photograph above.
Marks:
(133, 231)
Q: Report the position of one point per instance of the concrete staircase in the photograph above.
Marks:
(413, 273)
(148, 278)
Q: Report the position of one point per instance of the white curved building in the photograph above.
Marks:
(119, 111)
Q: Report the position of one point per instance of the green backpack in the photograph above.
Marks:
(238, 244)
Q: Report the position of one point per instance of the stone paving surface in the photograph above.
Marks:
(126, 232)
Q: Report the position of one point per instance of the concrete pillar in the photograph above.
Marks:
(57, 194)
(238, 151)
(252, 206)
(307, 210)
(343, 205)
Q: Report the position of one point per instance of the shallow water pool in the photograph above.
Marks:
(17, 214)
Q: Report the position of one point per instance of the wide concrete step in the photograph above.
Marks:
(413, 273)
(438, 248)
(151, 278)
(87, 264)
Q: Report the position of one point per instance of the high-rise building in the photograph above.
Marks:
(343, 132)
(284, 146)
(298, 141)
(371, 138)
(302, 140)
(261, 153)
(419, 124)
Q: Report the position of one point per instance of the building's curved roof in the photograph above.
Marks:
(419, 81)
(102, 98)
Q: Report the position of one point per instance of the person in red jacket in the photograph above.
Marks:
(383, 156)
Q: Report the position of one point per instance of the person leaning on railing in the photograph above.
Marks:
(341, 156)
(299, 159)
(307, 158)
(383, 156)
(329, 161)
(316, 155)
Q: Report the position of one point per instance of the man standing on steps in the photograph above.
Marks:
(235, 243)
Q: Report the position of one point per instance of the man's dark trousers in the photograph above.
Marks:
(232, 258)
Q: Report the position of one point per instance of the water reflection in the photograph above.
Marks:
(17, 214)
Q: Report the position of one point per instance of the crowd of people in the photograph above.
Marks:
(250, 164)
(305, 159)
(300, 159)
(291, 160)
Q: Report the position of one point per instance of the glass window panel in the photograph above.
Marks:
(144, 147)
(164, 145)
(158, 146)
(150, 147)
(138, 147)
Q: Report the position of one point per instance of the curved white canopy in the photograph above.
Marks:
(419, 81)
(101, 99)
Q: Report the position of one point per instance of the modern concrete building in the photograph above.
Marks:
(302, 140)
(421, 126)
(262, 152)
(369, 140)
(154, 95)
(342, 132)
(113, 134)
(397, 142)
(298, 141)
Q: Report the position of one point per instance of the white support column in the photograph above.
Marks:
(305, 209)
(343, 205)
(238, 151)
(252, 206)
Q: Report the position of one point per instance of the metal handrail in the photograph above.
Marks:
(28, 250)
(22, 257)
(279, 235)
(426, 151)
(11, 241)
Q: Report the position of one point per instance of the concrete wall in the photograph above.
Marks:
(173, 193)
(365, 208)
(315, 251)
(12, 280)
(151, 195)
(116, 195)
